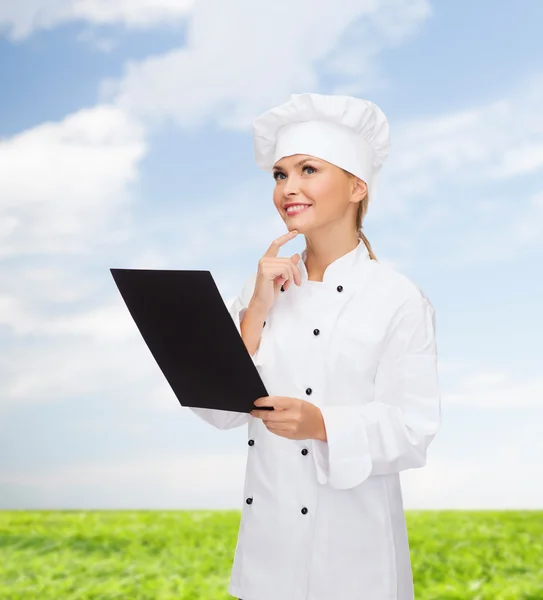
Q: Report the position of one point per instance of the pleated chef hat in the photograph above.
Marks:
(348, 132)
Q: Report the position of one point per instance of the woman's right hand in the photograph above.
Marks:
(273, 272)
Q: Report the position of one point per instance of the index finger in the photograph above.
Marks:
(268, 415)
(273, 250)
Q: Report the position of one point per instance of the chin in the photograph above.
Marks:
(299, 228)
(299, 224)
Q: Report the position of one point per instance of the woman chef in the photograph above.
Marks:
(345, 346)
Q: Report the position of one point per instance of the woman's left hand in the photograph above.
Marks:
(291, 418)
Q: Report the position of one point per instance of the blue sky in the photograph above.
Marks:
(125, 141)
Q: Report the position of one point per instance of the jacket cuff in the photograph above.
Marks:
(344, 460)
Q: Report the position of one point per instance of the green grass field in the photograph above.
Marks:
(475, 555)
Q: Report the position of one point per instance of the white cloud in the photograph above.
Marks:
(492, 141)
(452, 172)
(64, 188)
(62, 183)
(527, 225)
(35, 290)
(517, 161)
(239, 61)
(87, 352)
(494, 221)
(20, 19)
(496, 390)
(96, 40)
(477, 484)
(84, 340)
(207, 473)
(213, 481)
(466, 469)
(356, 57)
(92, 352)
(73, 366)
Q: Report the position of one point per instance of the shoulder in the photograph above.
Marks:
(393, 286)
(410, 314)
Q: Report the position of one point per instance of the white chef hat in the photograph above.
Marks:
(348, 132)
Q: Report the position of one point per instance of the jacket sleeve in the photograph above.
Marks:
(226, 419)
(391, 432)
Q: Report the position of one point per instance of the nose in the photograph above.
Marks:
(291, 186)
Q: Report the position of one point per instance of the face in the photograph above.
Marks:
(330, 193)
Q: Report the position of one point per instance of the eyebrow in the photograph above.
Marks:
(300, 162)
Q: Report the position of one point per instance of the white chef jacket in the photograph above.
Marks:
(325, 520)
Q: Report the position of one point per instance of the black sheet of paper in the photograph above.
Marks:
(194, 340)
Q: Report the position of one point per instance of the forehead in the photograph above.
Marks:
(291, 161)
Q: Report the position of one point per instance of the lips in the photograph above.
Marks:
(296, 208)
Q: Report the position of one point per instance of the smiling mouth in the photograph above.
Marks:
(296, 210)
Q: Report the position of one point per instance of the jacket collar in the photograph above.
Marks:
(342, 268)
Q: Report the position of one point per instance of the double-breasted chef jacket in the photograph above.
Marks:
(325, 520)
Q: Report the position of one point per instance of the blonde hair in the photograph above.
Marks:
(360, 214)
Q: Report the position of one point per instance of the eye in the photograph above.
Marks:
(276, 174)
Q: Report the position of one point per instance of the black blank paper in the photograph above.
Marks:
(194, 340)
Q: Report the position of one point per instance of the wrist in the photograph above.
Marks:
(321, 433)
(257, 308)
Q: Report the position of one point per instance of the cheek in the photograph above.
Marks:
(277, 198)
(323, 193)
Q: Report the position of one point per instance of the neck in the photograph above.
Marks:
(323, 250)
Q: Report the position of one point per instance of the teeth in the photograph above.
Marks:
(297, 208)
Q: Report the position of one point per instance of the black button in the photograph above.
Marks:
(282, 289)
(251, 442)
(249, 500)
(304, 510)
(339, 288)
(305, 451)
(316, 331)
(308, 391)
(264, 324)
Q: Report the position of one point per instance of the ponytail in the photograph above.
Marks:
(368, 245)
(361, 213)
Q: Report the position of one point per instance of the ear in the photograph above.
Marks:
(359, 188)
